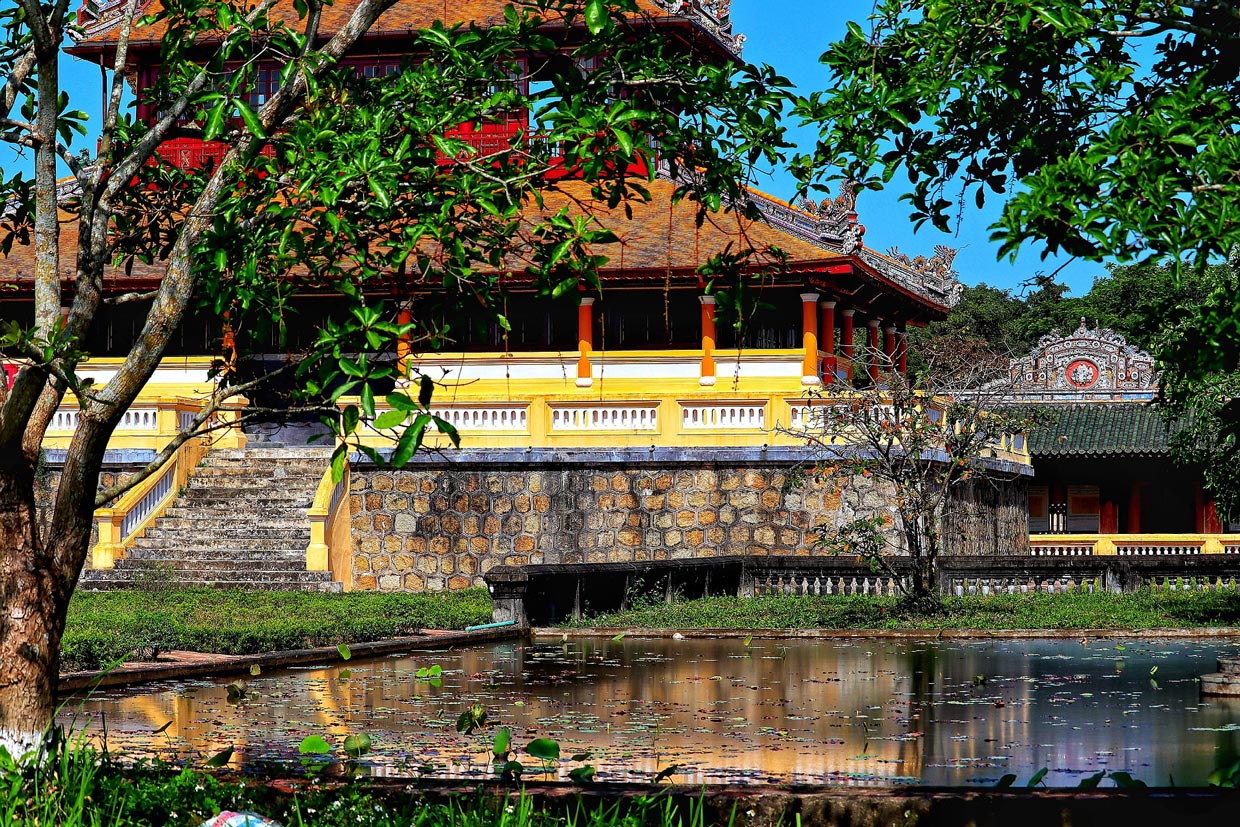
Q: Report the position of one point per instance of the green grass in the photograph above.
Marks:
(104, 627)
(79, 787)
(1142, 610)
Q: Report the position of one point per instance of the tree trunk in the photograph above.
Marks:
(32, 613)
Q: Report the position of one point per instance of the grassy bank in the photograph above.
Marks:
(104, 627)
(1143, 610)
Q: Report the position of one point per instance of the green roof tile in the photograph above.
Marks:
(1100, 430)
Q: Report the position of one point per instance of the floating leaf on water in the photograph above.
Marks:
(748, 640)
(355, 746)
(510, 770)
(582, 756)
(1119, 647)
(667, 772)
(1153, 670)
(582, 775)
(344, 675)
(314, 745)
(255, 670)
(1092, 781)
(620, 636)
(221, 758)
(345, 654)
(236, 690)
(1123, 779)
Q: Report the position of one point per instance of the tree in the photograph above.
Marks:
(920, 439)
(1110, 130)
(334, 181)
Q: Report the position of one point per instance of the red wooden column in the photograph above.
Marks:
(809, 338)
(846, 338)
(1134, 507)
(826, 340)
(871, 357)
(889, 347)
(1207, 513)
(404, 347)
(902, 353)
(708, 341)
(585, 341)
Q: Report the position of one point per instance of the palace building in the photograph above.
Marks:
(1103, 468)
(643, 373)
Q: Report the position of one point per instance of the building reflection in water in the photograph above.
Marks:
(805, 711)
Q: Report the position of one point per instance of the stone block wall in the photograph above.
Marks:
(442, 525)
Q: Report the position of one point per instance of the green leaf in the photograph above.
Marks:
(667, 772)
(1126, 781)
(215, 121)
(425, 390)
(620, 636)
(255, 670)
(314, 745)
(389, 419)
(368, 401)
(544, 749)
(250, 118)
(355, 746)
(221, 758)
(503, 742)
(1037, 777)
(582, 775)
(345, 654)
(596, 16)
(1091, 782)
(1006, 781)
(401, 402)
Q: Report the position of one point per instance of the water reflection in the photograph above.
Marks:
(951, 713)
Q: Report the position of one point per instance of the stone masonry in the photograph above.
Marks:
(442, 525)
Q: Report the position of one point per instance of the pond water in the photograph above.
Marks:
(958, 713)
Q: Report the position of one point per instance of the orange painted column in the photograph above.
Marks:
(809, 338)
(708, 341)
(826, 340)
(846, 339)
(872, 356)
(404, 348)
(585, 341)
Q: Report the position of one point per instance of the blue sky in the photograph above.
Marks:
(791, 35)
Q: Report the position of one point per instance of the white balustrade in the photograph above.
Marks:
(642, 417)
(807, 417)
(1040, 548)
(508, 418)
(139, 419)
(65, 419)
(1126, 548)
(185, 419)
(156, 495)
(723, 415)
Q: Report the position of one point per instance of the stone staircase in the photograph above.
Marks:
(1226, 681)
(240, 523)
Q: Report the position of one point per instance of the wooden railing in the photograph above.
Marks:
(1132, 545)
(331, 536)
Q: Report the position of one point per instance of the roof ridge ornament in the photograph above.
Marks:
(1086, 365)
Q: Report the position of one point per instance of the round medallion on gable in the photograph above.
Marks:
(1082, 374)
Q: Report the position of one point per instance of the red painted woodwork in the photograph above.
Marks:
(1108, 517)
(1134, 508)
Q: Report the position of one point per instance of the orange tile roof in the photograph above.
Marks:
(405, 16)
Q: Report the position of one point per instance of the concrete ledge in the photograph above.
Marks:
(839, 806)
(211, 665)
(778, 454)
(112, 456)
(555, 632)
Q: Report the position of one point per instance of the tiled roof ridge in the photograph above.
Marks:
(711, 16)
(832, 226)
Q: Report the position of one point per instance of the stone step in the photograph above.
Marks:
(253, 480)
(208, 498)
(1220, 683)
(244, 531)
(288, 548)
(328, 586)
(1229, 666)
(201, 575)
(265, 569)
(249, 511)
(208, 524)
(269, 455)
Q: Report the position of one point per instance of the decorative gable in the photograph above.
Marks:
(1086, 364)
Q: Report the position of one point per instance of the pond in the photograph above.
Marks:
(865, 711)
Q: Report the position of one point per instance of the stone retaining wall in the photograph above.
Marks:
(443, 525)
